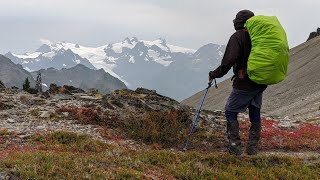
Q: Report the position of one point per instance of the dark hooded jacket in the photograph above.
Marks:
(237, 54)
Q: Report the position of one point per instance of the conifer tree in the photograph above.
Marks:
(26, 85)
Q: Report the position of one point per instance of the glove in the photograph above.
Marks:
(211, 75)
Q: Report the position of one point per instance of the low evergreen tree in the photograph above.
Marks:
(26, 85)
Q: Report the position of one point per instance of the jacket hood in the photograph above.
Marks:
(241, 18)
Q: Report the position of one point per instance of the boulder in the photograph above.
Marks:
(45, 114)
(54, 89)
(314, 34)
(73, 89)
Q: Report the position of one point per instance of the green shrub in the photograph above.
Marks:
(166, 128)
(63, 140)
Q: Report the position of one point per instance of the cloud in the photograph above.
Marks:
(189, 23)
(45, 41)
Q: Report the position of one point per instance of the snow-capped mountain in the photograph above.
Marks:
(45, 57)
(139, 63)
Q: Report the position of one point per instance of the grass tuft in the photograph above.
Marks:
(68, 141)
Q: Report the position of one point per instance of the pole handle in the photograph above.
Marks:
(210, 84)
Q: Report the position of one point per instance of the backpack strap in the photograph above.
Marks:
(245, 36)
(240, 68)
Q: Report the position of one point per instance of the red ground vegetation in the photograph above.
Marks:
(304, 137)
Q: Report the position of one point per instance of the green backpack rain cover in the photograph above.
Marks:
(268, 60)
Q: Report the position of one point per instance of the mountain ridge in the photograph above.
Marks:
(12, 74)
(137, 63)
(81, 76)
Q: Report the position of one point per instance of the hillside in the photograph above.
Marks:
(297, 97)
(12, 74)
(82, 77)
(139, 135)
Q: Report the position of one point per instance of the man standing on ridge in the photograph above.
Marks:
(245, 93)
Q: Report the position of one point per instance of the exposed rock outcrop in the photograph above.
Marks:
(314, 34)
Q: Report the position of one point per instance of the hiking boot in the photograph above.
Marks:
(234, 138)
(254, 137)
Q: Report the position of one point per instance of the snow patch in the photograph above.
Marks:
(27, 69)
(49, 54)
(107, 67)
(177, 49)
(28, 55)
(155, 56)
(112, 59)
(131, 60)
(118, 47)
(160, 43)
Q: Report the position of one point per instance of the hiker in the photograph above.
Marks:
(246, 94)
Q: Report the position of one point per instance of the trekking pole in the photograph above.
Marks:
(199, 110)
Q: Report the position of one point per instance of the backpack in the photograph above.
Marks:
(269, 56)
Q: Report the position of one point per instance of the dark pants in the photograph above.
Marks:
(254, 114)
(240, 101)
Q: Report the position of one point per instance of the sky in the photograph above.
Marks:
(187, 23)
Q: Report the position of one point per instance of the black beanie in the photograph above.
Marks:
(241, 18)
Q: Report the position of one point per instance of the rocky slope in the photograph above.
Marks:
(111, 116)
(141, 115)
(297, 97)
(140, 134)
